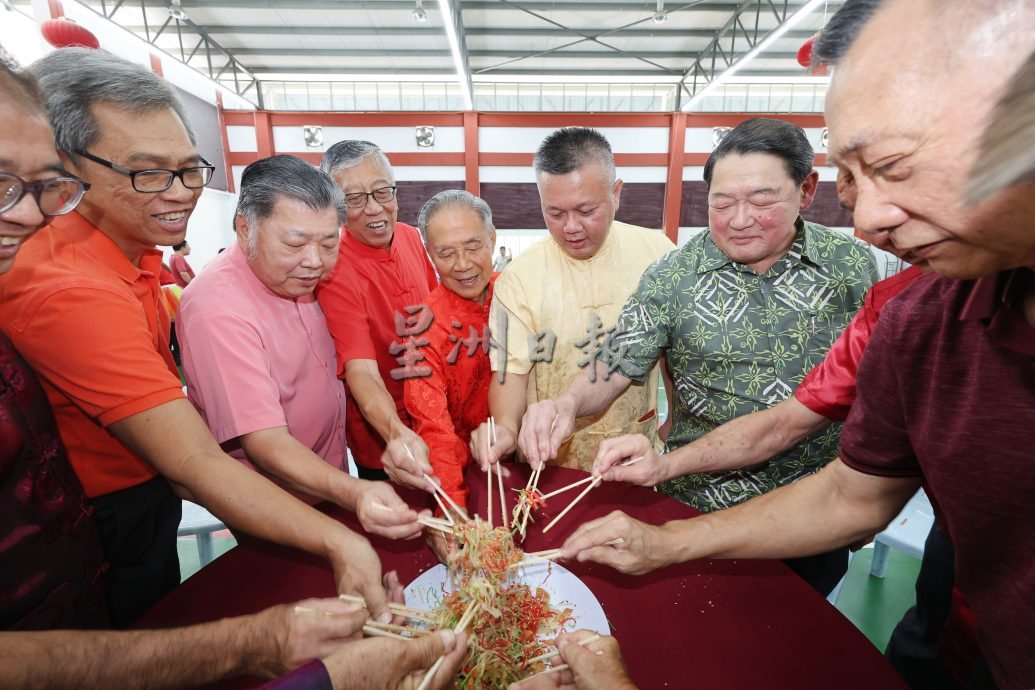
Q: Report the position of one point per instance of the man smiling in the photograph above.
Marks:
(450, 403)
(257, 356)
(83, 307)
(741, 312)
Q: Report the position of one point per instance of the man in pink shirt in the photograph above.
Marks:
(257, 355)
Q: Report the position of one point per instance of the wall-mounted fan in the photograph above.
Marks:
(313, 135)
(425, 136)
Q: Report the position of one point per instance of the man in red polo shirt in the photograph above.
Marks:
(946, 392)
(382, 269)
(83, 307)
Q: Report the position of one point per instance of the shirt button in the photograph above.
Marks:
(794, 348)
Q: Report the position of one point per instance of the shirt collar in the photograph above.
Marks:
(91, 241)
(996, 299)
(804, 241)
(458, 305)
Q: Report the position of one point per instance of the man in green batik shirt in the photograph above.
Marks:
(741, 313)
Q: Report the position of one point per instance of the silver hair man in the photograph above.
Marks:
(453, 198)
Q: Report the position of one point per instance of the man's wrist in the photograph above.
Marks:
(677, 542)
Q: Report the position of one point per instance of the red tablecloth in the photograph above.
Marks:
(708, 625)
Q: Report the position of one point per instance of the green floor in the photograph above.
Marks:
(873, 604)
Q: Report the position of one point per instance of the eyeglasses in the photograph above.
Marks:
(359, 199)
(154, 180)
(54, 197)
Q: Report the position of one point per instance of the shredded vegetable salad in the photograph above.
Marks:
(504, 635)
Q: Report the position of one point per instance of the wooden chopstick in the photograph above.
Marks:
(569, 487)
(488, 474)
(399, 609)
(581, 643)
(460, 627)
(499, 478)
(592, 485)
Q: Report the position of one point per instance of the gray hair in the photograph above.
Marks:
(266, 181)
(1006, 155)
(74, 79)
(573, 148)
(350, 153)
(453, 198)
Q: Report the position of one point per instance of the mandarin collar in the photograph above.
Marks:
(354, 246)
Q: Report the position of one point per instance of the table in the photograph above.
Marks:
(735, 624)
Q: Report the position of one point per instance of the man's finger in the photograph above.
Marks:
(377, 602)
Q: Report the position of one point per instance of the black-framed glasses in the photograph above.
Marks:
(359, 199)
(54, 197)
(154, 180)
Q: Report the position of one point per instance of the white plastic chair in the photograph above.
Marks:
(199, 522)
(907, 533)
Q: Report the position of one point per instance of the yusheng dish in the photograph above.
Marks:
(510, 618)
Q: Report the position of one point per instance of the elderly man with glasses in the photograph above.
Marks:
(383, 274)
(83, 307)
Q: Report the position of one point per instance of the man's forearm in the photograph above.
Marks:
(832, 508)
(375, 402)
(298, 468)
(508, 400)
(746, 440)
(592, 397)
(179, 657)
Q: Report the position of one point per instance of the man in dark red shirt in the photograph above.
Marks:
(946, 391)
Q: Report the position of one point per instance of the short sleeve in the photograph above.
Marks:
(92, 344)
(510, 302)
(347, 320)
(229, 375)
(643, 329)
(874, 439)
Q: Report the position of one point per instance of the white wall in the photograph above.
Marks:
(210, 227)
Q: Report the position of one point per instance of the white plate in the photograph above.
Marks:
(565, 590)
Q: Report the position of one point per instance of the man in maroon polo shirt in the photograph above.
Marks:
(946, 389)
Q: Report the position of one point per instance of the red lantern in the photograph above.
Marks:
(65, 33)
(805, 52)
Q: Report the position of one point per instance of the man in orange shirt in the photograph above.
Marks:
(382, 269)
(83, 307)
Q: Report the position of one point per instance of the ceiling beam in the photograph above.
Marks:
(532, 75)
(385, 5)
(487, 54)
(477, 31)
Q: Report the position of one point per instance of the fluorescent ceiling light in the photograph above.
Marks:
(458, 59)
(762, 45)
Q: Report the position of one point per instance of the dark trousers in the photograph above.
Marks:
(376, 475)
(915, 642)
(138, 533)
(822, 571)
